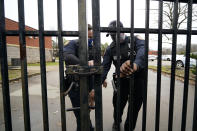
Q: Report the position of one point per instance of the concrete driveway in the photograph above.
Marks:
(54, 105)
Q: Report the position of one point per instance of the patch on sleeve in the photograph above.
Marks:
(139, 37)
(66, 42)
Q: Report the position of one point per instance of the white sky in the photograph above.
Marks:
(70, 15)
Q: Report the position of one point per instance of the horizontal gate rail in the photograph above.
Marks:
(102, 29)
(45, 33)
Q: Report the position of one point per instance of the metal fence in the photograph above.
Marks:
(82, 33)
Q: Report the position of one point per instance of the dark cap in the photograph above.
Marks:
(113, 24)
(89, 27)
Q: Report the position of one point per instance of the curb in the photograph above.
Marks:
(19, 78)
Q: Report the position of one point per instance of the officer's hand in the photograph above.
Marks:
(126, 68)
(91, 94)
(105, 84)
(91, 98)
(91, 63)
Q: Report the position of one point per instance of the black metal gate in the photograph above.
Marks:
(82, 33)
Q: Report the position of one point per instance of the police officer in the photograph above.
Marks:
(71, 57)
(125, 70)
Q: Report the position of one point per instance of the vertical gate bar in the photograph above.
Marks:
(146, 67)
(83, 56)
(131, 79)
(61, 65)
(159, 63)
(23, 58)
(97, 61)
(187, 67)
(195, 105)
(43, 65)
(118, 63)
(173, 66)
(4, 71)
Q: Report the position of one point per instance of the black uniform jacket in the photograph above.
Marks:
(111, 55)
(70, 52)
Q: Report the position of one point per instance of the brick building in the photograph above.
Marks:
(152, 52)
(32, 44)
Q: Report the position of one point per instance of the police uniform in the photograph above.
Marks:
(111, 56)
(71, 57)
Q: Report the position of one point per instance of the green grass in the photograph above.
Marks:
(47, 64)
(16, 73)
(13, 74)
(179, 71)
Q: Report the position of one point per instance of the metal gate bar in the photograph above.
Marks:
(83, 57)
(187, 67)
(195, 105)
(43, 66)
(173, 66)
(97, 62)
(144, 91)
(118, 64)
(61, 65)
(23, 58)
(158, 95)
(131, 79)
(4, 71)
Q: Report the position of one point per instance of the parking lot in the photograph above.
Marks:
(164, 63)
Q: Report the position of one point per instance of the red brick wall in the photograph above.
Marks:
(30, 40)
(152, 52)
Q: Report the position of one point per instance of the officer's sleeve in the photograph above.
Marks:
(70, 59)
(140, 53)
(70, 53)
(107, 60)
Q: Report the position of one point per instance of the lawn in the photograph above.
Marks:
(13, 74)
(47, 64)
(179, 71)
(16, 73)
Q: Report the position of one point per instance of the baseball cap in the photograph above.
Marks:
(113, 24)
(89, 27)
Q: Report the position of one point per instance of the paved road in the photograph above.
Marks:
(54, 105)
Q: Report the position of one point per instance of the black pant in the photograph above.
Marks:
(124, 95)
(74, 95)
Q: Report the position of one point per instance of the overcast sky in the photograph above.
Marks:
(70, 15)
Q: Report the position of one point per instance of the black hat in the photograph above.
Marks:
(89, 27)
(113, 24)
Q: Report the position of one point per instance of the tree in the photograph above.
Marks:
(103, 48)
(182, 14)
(194, 56)
(168, 11)
(55, 48)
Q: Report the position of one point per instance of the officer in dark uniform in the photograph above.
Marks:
(71, 57)
(125, 70)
